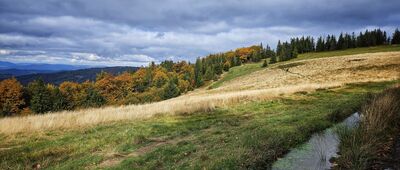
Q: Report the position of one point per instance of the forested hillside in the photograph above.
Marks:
(78, 76)
(8, 73)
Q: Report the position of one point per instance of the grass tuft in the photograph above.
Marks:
(369, 144)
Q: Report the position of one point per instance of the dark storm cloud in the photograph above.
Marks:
(127, 32)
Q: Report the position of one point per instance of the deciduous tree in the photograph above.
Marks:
(11, 97)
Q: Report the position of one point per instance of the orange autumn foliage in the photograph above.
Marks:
(11, 97)
(115, 88)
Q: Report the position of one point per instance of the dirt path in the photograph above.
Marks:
(113, 159)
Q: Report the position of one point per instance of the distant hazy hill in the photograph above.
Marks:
(34, 66)
(74, 76)
(16, 72)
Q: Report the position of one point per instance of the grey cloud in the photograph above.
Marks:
(116, 31)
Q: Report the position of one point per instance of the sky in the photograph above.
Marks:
(136, 32)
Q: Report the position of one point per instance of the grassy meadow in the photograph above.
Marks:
(247, 135)
(237, 71)
(246, 69)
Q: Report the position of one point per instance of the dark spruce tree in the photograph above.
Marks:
(93, 98)
(332, 43)
(279, 48)
(198, 73)
(171, 90)
(273, 59)
(396, 37)
(41, 97)
(320, 44)
(60, 102)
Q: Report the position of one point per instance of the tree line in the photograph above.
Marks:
(166, 80)
(290, 49)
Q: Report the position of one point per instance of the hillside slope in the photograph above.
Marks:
(340, 69)
(271, 82)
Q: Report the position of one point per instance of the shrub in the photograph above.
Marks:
(265, 63)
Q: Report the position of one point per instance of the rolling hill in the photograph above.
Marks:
(74, 75)
(38, 66)
(7, 73)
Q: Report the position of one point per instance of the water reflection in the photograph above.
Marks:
(315, 154)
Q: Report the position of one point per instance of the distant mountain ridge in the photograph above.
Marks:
(4, 74)
(57, 77)
(78, 76)
(36, 66)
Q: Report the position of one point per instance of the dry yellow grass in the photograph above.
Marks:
(342, 69)
(265, 84)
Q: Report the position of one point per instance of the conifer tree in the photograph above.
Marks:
(93, 98)
(210, 74)
(198, 73)
(60, 102)
(332, 43)
(320, 44)
(41, 98)
(294, 53)
(396, 37)
(279, 49)
(341, 42)
(273, 59)
(171, 90)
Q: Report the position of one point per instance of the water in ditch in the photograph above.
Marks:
(315, 154)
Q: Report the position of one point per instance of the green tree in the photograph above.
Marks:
(93, 98)
(168, 65)
(396, 37)
(60, 101)
(198, 73)
(210, 74)
(273, 59)
(320, 44)
(171, 90)
(279, 49)
(332, 43)
(41, 97)
(294, 53)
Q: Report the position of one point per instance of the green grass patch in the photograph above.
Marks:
(237, 72)
(251, 135)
